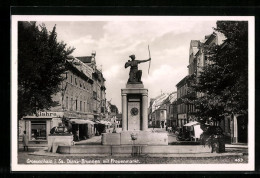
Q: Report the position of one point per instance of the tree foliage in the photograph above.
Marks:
(223, 83)
(41, 60)
(113, 109)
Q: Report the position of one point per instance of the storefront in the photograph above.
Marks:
(182, 119)
(82, 129)
(38, 126)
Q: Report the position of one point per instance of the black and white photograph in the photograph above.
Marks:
(132, 93)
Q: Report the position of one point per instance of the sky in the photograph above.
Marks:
(113, 41)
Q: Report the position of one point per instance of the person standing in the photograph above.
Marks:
(25, 141)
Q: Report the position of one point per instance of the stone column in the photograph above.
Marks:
(124, 112)
(235, 129)
(145, 111)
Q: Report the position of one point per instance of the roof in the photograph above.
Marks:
(182, 82)
(85, 59)
(159, 101)
(172, 97)
(210, 38)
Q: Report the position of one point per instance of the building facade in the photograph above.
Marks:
(75, 104)
(99, 88)
(234, 126)
(197, 60)
(171, 110)
(182, 109)
(157, 111)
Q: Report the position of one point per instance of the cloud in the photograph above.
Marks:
(83, 40)
(114, 41)
(111, 72)
(164, 79)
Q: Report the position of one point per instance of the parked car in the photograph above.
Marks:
(189, 132)
(182, 134)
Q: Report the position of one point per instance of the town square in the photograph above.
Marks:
(133, 90)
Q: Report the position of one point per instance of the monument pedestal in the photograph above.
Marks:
(143, 138)
(135, 120)
(134, 108)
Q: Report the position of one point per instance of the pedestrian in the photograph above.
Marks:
(25, 141)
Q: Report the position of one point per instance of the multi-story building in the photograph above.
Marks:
(99, 89)
(182, 108)
(171, 113)
(197, 60)
(234, 126)
(157, 111)
(75, 104)
(151, 119)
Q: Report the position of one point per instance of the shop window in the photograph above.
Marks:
(38, 130)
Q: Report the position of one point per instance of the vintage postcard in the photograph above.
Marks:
(132, 93)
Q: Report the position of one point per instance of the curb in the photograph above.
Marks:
(196, 155)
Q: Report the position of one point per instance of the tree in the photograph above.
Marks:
(113, 108)
(224, 81)
(41, 62)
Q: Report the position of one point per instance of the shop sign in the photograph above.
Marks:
(49, 114)
(182, 116)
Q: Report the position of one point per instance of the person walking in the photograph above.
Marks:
(25, 141)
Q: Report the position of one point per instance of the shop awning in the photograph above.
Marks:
(81, 121)
(105, 122)
(191, 123)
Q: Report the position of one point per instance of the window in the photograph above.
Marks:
(38, 130)
(66, 75)
(75, 81)
(84, 107)
(71, 103)
(67, 102)
(80, 106)
(71, 81)
(76, 105)
(94, 95)
(88, 106)
(83, 85)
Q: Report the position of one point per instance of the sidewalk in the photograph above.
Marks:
(231, 149)
(43, 152)
(236, 146)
